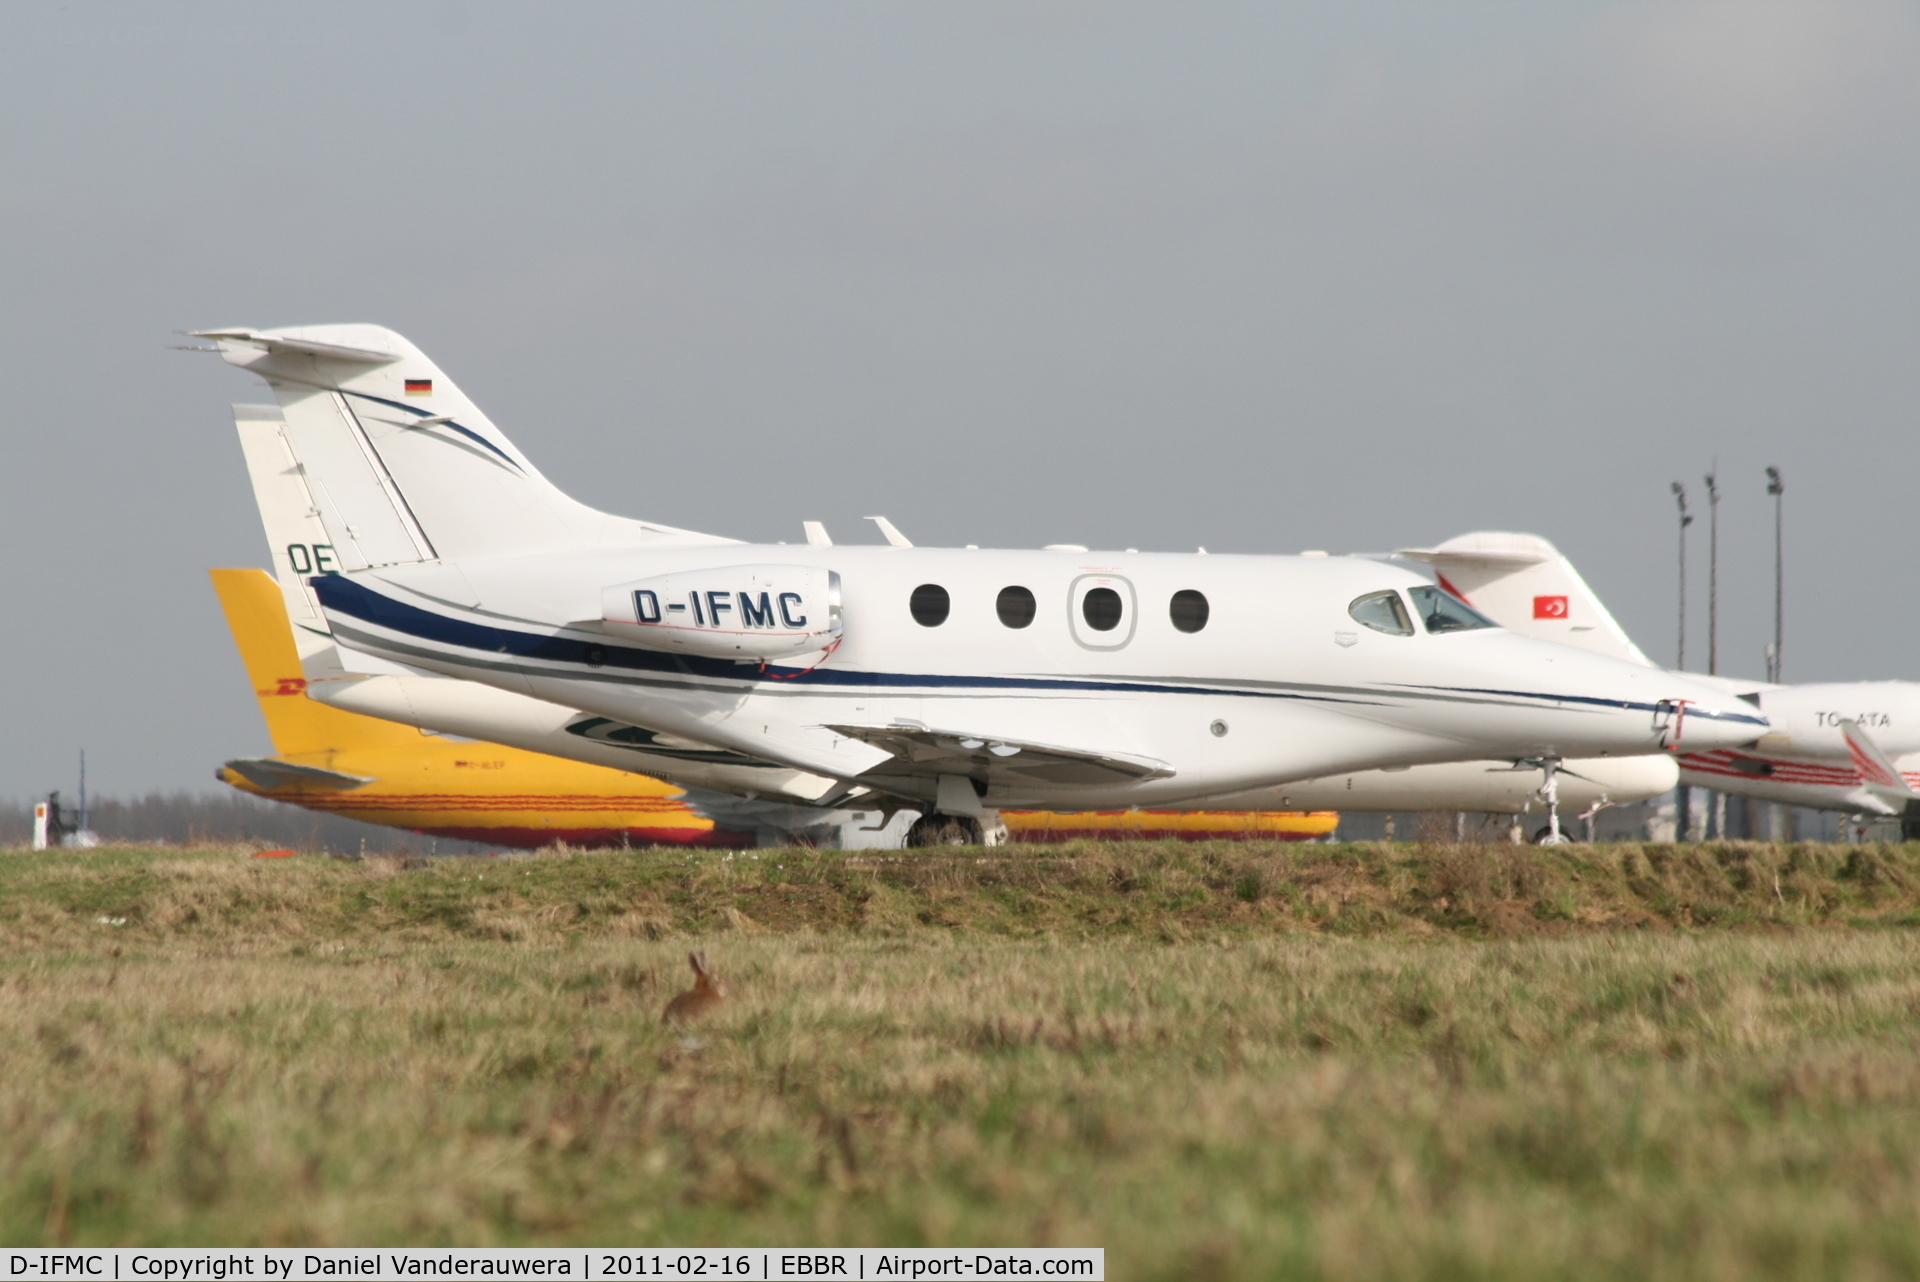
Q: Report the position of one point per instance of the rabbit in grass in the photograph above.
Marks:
(703, 998)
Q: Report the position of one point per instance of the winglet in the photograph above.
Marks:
(1877, 771)
(817, 535)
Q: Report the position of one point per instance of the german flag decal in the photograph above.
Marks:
(419, 387)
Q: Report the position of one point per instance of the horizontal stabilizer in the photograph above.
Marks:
(269, 773)
(932, 753)
(303, 346)
(1877, 771)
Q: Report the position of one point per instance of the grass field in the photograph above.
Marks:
(1213, 1060)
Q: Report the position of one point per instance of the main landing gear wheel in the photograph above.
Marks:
(945, 830)
(1550, 793)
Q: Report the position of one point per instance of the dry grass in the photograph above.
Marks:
(1086, 891)
(1213, 1061)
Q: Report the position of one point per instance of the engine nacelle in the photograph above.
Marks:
(730, 612)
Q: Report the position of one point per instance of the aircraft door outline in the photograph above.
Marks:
(1084, 620)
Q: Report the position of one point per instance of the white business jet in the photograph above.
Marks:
(1851, 746)
(772, 799)
(755, 794)
(953, 682)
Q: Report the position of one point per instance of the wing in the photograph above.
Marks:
(927, 754)
(268, 773)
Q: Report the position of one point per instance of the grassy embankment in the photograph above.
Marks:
(1225, 1060)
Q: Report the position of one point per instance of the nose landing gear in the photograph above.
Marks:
(1550, 794)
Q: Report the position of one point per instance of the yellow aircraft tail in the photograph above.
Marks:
(257, 617)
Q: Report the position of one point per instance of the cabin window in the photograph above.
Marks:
(1102, 609)
(930, 605)
(1442, 611)
(1016, 606)
(1382, 612)
(1189, 610)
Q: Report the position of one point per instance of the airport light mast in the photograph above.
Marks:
(1713, 576)
(1682, 795)
(1716, 801)
(1776, 487)
(1781, 824)
(1686, 519)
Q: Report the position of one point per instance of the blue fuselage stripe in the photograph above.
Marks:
(343, 596)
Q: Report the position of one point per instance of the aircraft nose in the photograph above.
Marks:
(1644, 709)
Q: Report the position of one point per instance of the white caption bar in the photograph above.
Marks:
(817, 1264)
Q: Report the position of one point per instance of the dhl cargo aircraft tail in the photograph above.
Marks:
(298, 726)
(381, 772)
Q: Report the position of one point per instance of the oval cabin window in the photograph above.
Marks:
(1101, 608)
(930, 605)
(1189, 610)
(1016, 607)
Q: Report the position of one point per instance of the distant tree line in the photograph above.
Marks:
(190, 818)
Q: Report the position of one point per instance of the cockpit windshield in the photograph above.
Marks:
(1382, 612)
(1442, 611)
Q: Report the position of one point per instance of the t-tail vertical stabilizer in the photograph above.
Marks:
(299, 540)
(1523, 583)
(399, 466)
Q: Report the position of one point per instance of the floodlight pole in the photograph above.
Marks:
(1686, 519)
(1713, 620)
(1682, 795)
(1781, 825)
(1776, 487)
(1713, 576)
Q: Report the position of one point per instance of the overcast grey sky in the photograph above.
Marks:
(1259, 277)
